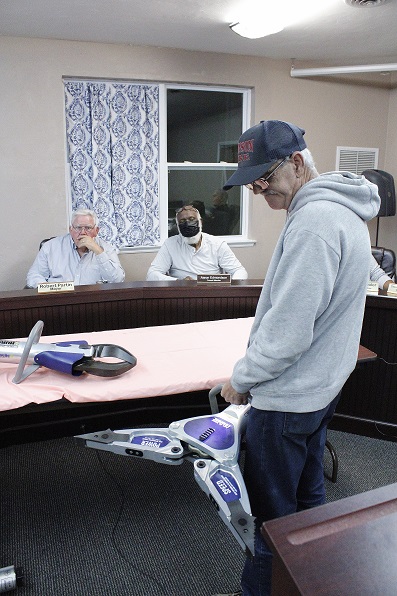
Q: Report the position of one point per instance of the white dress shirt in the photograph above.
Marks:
(377, 274)
(176, 260)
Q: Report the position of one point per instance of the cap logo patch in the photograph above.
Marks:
(244, 149)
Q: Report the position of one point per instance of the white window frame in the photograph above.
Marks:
(164, 166)
(235, 240)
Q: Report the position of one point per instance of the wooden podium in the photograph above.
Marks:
(344, 548)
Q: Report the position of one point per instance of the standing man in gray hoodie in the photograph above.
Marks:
(305, 336)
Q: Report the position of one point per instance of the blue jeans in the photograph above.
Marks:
(283, 473)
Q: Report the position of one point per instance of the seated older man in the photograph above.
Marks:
(377, 274)
(79, 256)
(193, 252)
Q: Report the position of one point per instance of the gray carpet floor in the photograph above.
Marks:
(89, 523)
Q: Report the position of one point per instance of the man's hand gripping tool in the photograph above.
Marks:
(72, 357)
(212, 443)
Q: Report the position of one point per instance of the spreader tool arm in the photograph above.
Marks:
(212, 443)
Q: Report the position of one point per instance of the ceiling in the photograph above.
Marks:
(332, 33)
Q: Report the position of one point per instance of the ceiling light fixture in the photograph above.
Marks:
(363, 3)
(256, 28)
(340, 70)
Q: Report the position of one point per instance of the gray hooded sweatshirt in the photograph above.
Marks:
(306, 332)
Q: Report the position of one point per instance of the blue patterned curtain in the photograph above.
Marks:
(112, 144)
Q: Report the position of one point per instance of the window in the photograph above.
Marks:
(203, 128)
(137, 151)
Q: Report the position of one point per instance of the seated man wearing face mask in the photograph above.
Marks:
(193, 252)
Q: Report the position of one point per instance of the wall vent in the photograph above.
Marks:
(356, 159)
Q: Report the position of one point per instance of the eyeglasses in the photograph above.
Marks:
(265, 179)
(186, 208)
(82, 228)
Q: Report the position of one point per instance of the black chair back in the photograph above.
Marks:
(386, 258)
(45, 240)
(387, 193)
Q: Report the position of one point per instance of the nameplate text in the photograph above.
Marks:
(392, 289)
(221, 278)
(372, 287)
(59, 286)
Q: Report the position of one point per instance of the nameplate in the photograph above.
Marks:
(392, 289)
(221, 278)
(59, 286)
(372, 287)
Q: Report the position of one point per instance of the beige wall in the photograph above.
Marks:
(32, 145)
(387, 225)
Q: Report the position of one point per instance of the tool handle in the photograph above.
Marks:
(212, 397)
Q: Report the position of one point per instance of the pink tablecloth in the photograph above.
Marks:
(171, 359)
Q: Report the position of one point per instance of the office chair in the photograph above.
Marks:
(45, 240)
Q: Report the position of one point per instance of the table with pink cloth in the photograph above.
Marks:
(171, 359)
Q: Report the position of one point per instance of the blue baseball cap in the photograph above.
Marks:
(261, 146)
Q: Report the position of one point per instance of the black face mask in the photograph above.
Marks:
(189, 228)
